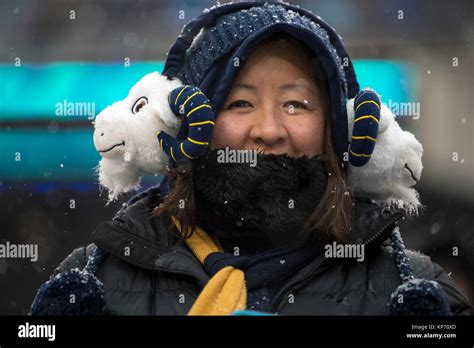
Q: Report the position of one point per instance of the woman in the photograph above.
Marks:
(220, 236)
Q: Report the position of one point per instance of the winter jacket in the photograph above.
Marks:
(147, 272)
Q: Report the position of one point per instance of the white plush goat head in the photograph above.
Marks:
(394, 167)
(125, 134)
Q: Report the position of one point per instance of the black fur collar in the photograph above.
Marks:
(257, 207)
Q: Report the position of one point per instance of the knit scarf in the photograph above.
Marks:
(251, 227)
(235, 279)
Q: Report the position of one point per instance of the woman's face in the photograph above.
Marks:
(274, 105)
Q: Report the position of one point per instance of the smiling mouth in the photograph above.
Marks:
(121, 144)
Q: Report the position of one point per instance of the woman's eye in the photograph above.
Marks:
(292, 105)
(239, 104)
(139, 104)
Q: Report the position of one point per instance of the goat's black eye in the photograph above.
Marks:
(141, 102)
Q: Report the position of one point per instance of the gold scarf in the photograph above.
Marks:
(226, 291)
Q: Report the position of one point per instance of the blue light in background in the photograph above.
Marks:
(32, 92)
(393, 80)
(66, 156)
(41, 155)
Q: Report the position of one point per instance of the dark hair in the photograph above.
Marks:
(333, 215)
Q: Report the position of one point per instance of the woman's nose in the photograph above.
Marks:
(267, 129)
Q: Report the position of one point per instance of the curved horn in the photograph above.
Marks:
(194, 109)
(366, 127)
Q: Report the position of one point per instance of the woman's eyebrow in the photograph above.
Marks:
(295, 85)
(244, 86)
(288, 86)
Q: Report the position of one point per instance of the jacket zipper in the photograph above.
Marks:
(293, 286)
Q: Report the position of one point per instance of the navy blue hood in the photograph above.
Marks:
(205, 51)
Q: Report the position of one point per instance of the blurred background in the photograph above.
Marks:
(417, 54)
